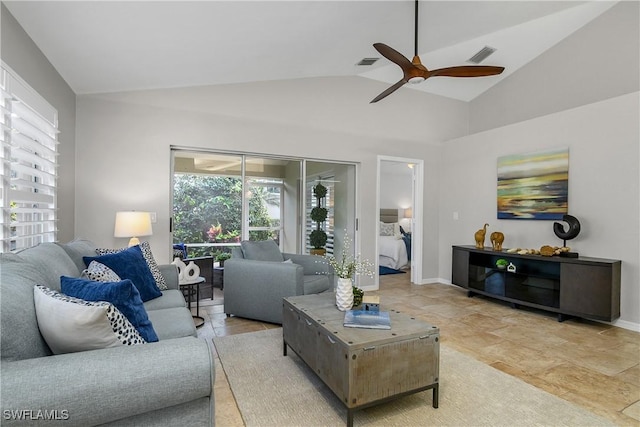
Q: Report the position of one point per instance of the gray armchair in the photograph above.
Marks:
(258, 276)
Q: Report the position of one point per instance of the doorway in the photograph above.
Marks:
(399, 198)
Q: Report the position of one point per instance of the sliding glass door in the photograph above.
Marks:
(220, 199)
(339, 179)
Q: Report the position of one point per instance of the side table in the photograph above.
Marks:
(190, 289)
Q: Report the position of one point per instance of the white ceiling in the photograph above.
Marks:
(108, 46)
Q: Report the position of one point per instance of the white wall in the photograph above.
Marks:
(123, 149)
(395, 188)
(599, 61)
(604, 187)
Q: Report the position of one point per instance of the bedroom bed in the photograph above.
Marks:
(394, 246)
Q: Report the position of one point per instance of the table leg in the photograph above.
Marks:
(349, 417)
(435, 396)
(197, 300)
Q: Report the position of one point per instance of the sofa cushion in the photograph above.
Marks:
(71, 324)
(77, 249)
(169, 299)
(173, 322)
(122, 294)
(148, 257)
(20, 338)
(315, 284)
(99, 273)
(51, 259)
(130, 264)
(266, 250)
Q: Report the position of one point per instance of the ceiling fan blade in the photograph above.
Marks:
(467, 71)
(389, 91)
(394, 56)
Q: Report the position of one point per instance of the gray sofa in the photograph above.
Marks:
(169, 382)
(258, 276)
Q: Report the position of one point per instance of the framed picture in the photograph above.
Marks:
(533, 185)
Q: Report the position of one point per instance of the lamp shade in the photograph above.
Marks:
(132, 224)
(408, 213)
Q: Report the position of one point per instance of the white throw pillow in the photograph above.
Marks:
(71, 324)
(396, 230)
(99, 272)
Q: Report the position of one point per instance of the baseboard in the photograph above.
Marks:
(429, 281)
(625, 325)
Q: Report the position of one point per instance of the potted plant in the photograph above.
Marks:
(222, 257)
(501, 263)
(318, 237)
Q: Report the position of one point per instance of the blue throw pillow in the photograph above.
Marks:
(123, 295)
(130, 264)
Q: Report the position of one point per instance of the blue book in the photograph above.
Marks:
(367, 319)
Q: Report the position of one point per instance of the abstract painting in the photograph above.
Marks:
(533, 185)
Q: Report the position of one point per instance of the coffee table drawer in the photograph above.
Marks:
(301, 335)
(332, 365)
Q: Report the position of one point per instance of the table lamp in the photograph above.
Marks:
(133, 224)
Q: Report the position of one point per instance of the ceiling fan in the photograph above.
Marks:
(415, 72)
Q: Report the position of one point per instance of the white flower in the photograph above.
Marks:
(346, 266)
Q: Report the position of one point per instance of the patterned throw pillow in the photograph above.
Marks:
(99, 272)
(148, 257)
(386, 229)
(71, 324)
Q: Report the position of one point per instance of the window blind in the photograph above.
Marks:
(28, 165)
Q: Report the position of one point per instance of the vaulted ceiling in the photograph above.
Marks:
(105, 46)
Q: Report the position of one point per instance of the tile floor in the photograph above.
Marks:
(591, 364)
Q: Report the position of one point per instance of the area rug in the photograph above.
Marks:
(387, 270)
(273, 390)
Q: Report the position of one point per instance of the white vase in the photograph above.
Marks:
(344, 294)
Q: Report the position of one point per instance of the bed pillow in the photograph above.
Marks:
(386, 229)
(130, 264)
(123, 295)
(145, 247)
(396, 230)
(71, 324)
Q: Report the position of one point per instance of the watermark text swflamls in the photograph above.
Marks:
(35, 414)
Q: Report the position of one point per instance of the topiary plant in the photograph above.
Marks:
(318, 237)
(319, 214)
(320, 191)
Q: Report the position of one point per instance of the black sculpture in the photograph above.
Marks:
(570, 233)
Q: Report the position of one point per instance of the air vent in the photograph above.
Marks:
(367, 61)
(481, 55)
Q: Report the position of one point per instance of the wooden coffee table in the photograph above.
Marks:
(363, 367)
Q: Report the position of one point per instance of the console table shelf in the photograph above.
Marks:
(582, 287)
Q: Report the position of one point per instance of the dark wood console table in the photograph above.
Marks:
(581, 287)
